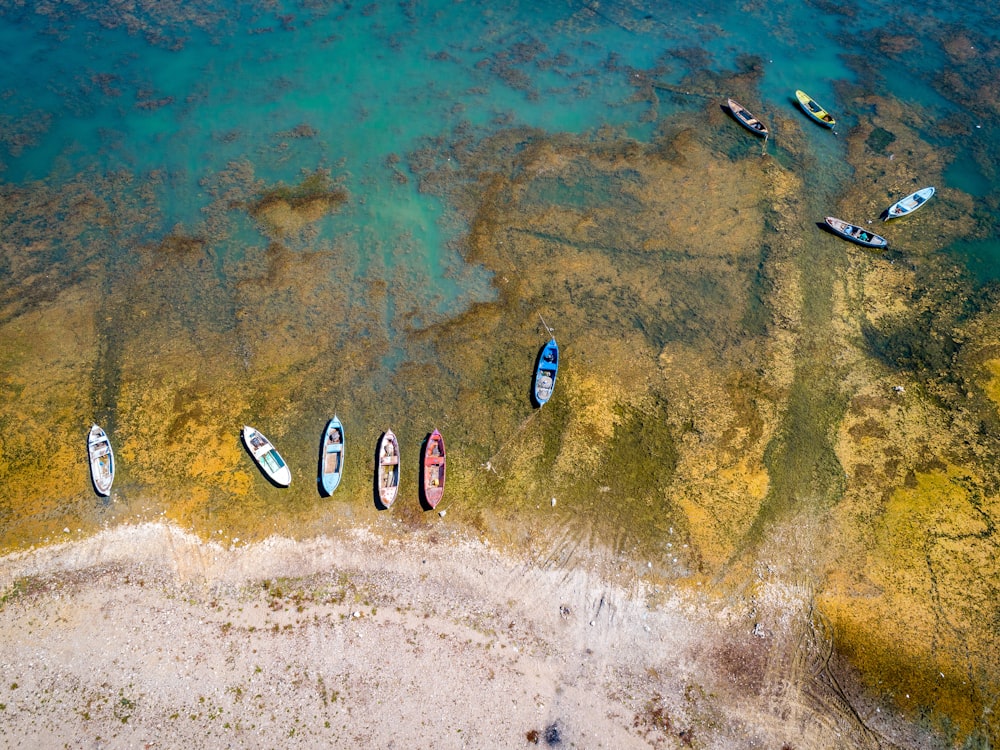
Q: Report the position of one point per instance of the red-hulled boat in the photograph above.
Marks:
(434, 466)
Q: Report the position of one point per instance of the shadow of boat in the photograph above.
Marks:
(421, 490)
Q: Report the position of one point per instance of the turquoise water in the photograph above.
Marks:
(182, 96)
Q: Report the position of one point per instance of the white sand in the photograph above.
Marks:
(146, 637)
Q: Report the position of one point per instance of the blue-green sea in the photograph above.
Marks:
(180, 92)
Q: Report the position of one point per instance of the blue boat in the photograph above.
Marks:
(331, 456)
(545, 374)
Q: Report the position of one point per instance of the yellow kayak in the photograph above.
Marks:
(816, 112)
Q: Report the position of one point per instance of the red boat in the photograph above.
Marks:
(433, 474)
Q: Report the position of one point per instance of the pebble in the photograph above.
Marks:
(553, 502)
(442, 513)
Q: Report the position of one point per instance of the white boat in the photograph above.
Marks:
(387, 471)
(102, 460)
(909, 204)
(267, 457)
(854, 233)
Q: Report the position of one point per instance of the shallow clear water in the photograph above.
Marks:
(173, 102)
(189, 93)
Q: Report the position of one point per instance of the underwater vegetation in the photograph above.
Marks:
(707, 395)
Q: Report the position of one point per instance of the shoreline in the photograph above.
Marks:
(145, 635)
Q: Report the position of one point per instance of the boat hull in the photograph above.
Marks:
(331, 456)
(909, 204)
(387, 469)
(434, 469)
(102, 460)
(747, 120)
(856, 234)
(815, 112)
(545, 372)
(267, 457)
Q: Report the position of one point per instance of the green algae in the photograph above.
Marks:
(286, 209)
(645, 452)
(879, 140)
(933, 559)
(697, 405)
(910, 604)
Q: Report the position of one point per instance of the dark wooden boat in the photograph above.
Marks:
(545, 373)
(434, 466)
(854, 233)
(746, 119)
(387, 470)
(331, 457)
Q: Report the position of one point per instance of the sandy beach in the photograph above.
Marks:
(145, 636)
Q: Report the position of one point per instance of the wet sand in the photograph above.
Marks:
(144, 636)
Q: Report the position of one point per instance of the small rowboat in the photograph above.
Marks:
(855, 233)
(267, 457)
(434, 464)
(331, 456)
(102, 460)
(387, 471)
(816, 112)
(746, 119)
(909, 204)
(545, 373)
